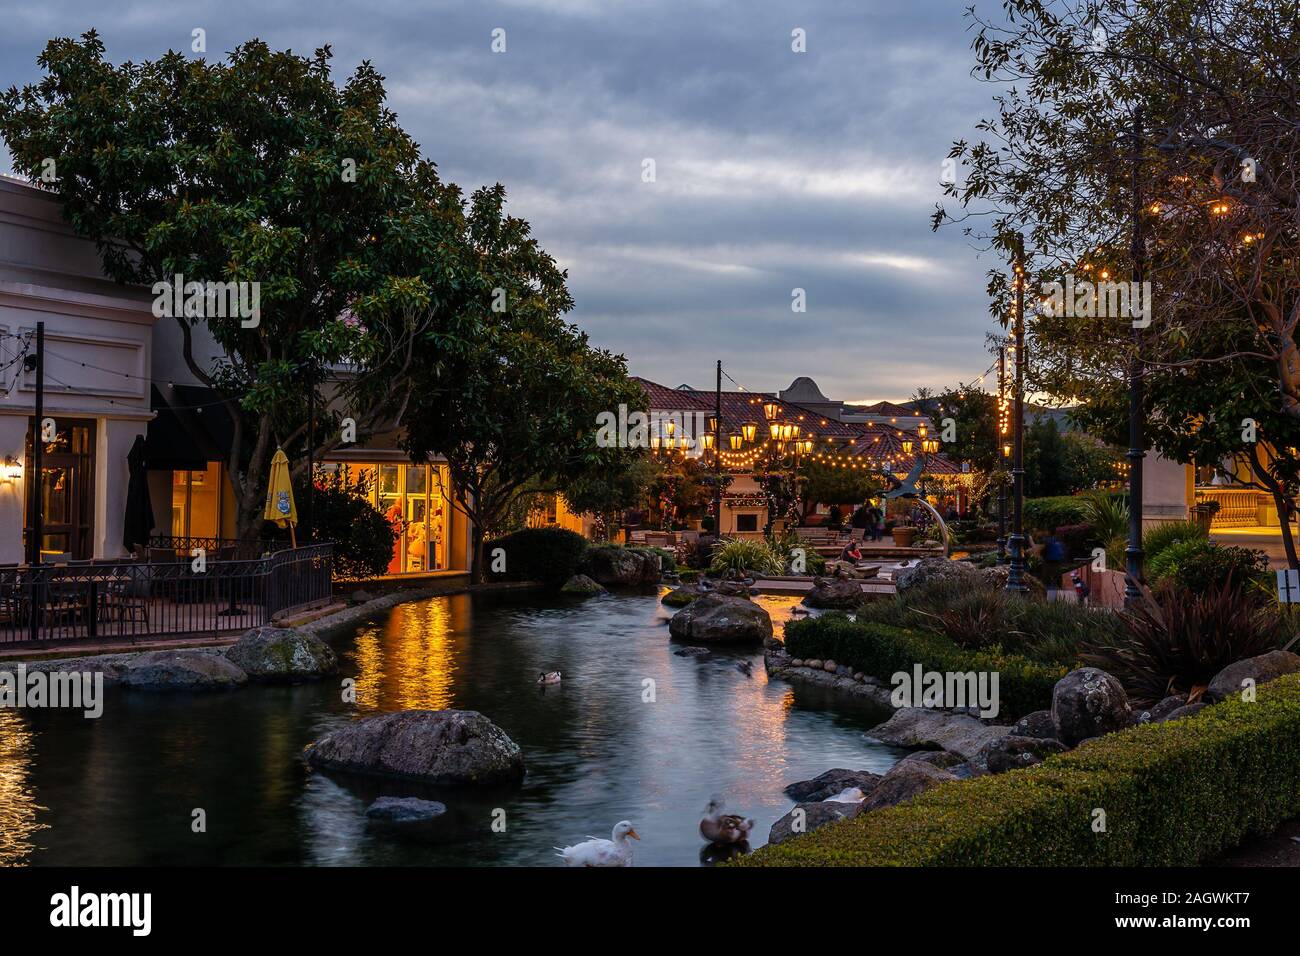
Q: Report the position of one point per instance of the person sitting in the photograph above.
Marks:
(851, 552)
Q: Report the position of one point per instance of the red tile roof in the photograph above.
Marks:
(665, 399)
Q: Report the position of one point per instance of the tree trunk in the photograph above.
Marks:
(1281, 504)
(476, 571)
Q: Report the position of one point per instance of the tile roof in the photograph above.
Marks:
(663, 398)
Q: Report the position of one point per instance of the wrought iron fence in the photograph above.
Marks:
(110, 600)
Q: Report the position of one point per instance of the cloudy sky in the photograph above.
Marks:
(774, 170)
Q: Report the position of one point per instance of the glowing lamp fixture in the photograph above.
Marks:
(736, 442)
(771, 410)
(749, 430)
(775, 429)
(706, 441)
(907, 446)
(13, 468)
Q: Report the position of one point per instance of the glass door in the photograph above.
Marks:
(66, 490)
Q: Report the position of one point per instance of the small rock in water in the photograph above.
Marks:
(405, 809)
(691, 651)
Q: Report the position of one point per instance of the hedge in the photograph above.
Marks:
(882, 651)
(1174, 794)
(548, 555)
(1045, 515)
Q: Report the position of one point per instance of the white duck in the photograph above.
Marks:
(549, 677)
(597, 852)
(721, 828)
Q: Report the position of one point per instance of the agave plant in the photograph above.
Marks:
(1174, 641)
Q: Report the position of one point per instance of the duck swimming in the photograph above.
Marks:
(596, 852)
(549, 677)
(724, 828)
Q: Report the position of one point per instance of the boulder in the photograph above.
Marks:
(937, 730)
(1187, 710)
(928, 570)
(830, 783)
(1011, 753)
(733, 589)
(581, 586)
(1261, 670)
(361, 596)
(682, 596)
(405, 809)
(1158, 712)
(183, 670)
(1036, 724)
(719, 619)
(437, 747)
(996, 578)
(905, 780)
(1088, 702)
(282, 654)
(937, 758)
(834, 593)
(814, 815)
(622, 567)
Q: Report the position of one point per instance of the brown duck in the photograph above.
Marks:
(724, 829)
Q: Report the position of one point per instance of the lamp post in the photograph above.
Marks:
(717, 458)
(1016, 543)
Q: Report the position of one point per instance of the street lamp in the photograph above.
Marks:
(737, 442)
(771, 410)
(1016, 543)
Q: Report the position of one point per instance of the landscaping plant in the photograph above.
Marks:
(745, 557)
(1174, 641)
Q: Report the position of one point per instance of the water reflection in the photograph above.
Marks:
(18, 806)
(633, 732)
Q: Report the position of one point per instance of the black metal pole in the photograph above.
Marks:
(1016, 543)
(1133, 553)
(1002, 485)
(717, 456)
(35, 484)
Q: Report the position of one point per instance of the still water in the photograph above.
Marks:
(123, 789)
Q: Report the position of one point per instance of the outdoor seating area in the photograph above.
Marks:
(161, 591)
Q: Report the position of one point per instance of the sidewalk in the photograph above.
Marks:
(1260, 537)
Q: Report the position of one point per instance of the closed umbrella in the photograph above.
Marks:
(137, 524)
(279, 496)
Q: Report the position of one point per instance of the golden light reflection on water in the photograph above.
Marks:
(408, 662)
(18, 806)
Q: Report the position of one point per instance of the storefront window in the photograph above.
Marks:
(413, 499)
(196, 502)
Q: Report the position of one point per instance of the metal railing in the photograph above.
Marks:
(116, 599)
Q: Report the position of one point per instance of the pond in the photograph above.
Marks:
(602, 746)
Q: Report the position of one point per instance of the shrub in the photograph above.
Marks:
(744, 556)
(1156, 540)
(1078, 540)
(882, 651)
(669, 559)
(548, 555)
(1108, 515)
(1199, 565)
(1043, 515)
(1175, 641)
(1175, 794)
(695, 554)
(341, 512)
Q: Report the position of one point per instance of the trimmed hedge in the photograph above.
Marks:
(1174, 794)
(1045, 515)
(548, 555)
(882, 651)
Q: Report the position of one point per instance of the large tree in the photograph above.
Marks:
(258, 169)
(1162, 135)
(515, 401)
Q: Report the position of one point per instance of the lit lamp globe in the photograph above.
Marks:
(749, 430)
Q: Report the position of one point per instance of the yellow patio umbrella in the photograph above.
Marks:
(279, 496)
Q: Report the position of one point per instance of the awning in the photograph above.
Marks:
(192, 427)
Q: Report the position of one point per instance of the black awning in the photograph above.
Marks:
(192, 428)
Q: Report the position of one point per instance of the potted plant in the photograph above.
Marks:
(904, 534)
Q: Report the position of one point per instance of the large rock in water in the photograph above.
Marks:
(830, 783)
(905, 780)
(807, 817)
(581, 586)
(183, 670)
(282, 654)
(447, 748)
(1261, 670)
(938, 729)
(622, 567)
(839, 593)
(719, 619)
(682, 596)
(928, 570)
(1088, 702)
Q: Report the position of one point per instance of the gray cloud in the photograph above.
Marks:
(774, 170)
